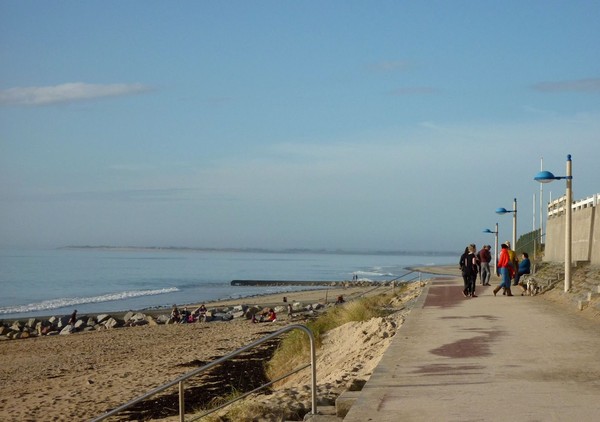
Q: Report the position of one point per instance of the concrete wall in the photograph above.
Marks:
(585, 231)
(595, 249)
(554, 250)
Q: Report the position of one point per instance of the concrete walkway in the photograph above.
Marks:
(485, 359)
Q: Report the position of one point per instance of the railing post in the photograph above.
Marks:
(313, 368)
(181, 402)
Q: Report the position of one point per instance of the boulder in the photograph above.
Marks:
(162, 319)
(138, 317)
(31, 322)
(128, 316)
(16, 326)
(222, 317)
(63, 321)
(68, 329)
(111, 323)
(4, 330)
(237, 314)
(102, 318)
(80, 324)
(90, 322)
(151, 321)
(29, 330)
(240, 308)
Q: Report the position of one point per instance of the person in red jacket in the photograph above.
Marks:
(506, 269)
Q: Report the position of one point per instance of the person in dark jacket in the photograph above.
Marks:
(469, 269)
(484, 264)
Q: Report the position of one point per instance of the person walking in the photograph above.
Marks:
(513, 260)
(506, 270)
(468, 267)
(484, 264)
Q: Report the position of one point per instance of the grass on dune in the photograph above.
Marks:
(294, 349)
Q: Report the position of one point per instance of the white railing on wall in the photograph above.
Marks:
(557, 207)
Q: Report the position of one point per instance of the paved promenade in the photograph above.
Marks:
(485, 359)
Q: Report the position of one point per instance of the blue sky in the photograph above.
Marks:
(343, 124)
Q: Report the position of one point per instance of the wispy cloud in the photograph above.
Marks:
(66, 93)
(414, 90)
(580, 85)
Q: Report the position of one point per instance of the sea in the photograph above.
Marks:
(36, 283)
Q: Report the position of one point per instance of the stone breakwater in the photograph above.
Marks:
(270, 283)
(35, 327)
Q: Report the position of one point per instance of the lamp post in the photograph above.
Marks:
(502, 211)
(495, 248)
(546, 177)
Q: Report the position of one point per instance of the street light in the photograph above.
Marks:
(514, 211)
(546, 177)
(495, 248)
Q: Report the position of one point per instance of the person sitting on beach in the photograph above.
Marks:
(340, 299)
(268, 316)
(199, 313)
(175, 315)
(184, 315)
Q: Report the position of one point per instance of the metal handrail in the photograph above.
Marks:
(190, 374)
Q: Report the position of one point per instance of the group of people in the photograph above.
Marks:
(473, 263)
(184, 316)
(510, 268)
(269, 316)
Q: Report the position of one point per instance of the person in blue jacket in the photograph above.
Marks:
(524, 268)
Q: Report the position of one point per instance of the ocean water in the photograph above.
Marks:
(54, 282)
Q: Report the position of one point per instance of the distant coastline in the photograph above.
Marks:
(258, 250)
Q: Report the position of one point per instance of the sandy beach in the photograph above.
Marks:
(82, 375)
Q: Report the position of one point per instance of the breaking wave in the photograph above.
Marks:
(70, 301)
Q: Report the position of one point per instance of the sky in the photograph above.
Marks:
(358, 125)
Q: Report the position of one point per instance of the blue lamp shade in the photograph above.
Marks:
(501, 210)
(544, 177)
